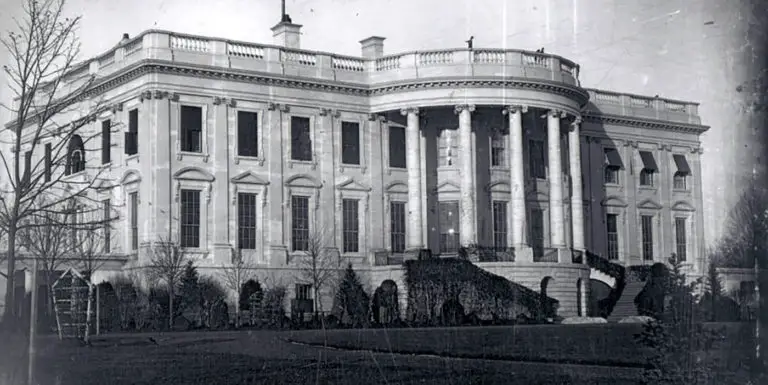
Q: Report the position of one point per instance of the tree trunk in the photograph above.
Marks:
(10, 308)
(170, 305)
(237, 311)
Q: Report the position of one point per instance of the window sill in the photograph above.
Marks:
(181, 154)
(129, 158)
(249, 159)
(195, 252)
(311, 163)
(344, 166)
(648, 188)
(681, 191)
(395, 169)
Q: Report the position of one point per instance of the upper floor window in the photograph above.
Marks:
(246, 221)
(191, 129)
(247, 133)
(350, 226)
(498, 147)
(301, 139)
(350, 143)
(649, 169)
(612, 231)
(681, 239)
(447, 147)
(449, 226)
(299, 223)
(646, 228)
(75, 156)
(190, 218)
(680, 179)
(106, 141)
(396, 147)
(536, 159)
(132, 136)
(613, 164)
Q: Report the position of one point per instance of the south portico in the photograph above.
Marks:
(417, 119)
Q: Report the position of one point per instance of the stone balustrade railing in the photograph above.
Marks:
(643, 106)
(402, 67)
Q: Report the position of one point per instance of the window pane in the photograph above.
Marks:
(48, 162)
(247, 133)
(500, 224)
(246, 221)
(350, 225)
(537, 231)
(132, 136)
(646, 224)
(190, 218)
(397, 226)
(299, 223)
(536, 159)
(498, 145)
(680, 239)
(134, 199)
(191, 128)
(448, 148)
(449, 227)
(301, 141)
(350, 143)
(611, 224)
(106, 141)
(397, 147)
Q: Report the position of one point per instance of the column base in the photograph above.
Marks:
(523, 253)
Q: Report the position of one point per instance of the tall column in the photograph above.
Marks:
(467, 184)
(556, 217)
(517, 175)
(413, 165)
(577, 201)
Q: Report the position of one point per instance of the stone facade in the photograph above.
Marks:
(479, 127)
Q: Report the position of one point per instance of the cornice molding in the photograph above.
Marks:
(652, 124)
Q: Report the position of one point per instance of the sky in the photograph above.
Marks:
(681, 49)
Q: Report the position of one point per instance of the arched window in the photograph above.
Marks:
(75, 156)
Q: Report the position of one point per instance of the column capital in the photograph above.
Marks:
(409, 110)
(575, 123)
(461, 107)
(514, 109)
(555, 113)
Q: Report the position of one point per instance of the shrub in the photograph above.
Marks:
(214, 311)
(385, 304)
(650, 300)
(352, 302)
(109, 308)
(274, 306)
(249, 288)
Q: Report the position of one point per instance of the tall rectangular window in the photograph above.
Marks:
(536, 159)
(132, 136)
(396, 147)
(537, 232)
(498, 146)
(107, 224)
(397, 226)
(28, 164)
(683, 171)
(646, 228)
(350, 143)
(612, 230)
(247, 133)
(191, 129)
(500, 224)
(681, 240)
(299, 223)
(613, 165)
(133, 199)
(246, 221)
(190, 218)
(106, 141)
(301, 139)
(350, 225)
(303, 291)
(48, 161)
(449, 226)
(448, 147)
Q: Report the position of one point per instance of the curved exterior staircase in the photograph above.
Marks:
(625, 306)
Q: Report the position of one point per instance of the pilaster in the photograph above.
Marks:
(277, 209)
(326, 149)
(221, 199)
(159, 145)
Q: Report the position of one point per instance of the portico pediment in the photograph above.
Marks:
(649, 205)
(130, 176)
(352, 184)
(613, 201)
(447, 187)
(499, 187)
(397, 187)
(249, 177)
(193, 174)
(537, 196)
(683, 206)
(303, 180)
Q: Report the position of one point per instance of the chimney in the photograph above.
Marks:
(287, 34)
(372, 47)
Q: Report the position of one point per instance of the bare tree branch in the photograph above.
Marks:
(166, 263)
(320, 263)
(235, 275)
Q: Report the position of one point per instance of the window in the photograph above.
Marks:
(190, 218)
(246, 221)
(537, 232)
(299, 223)
(48, 162)
(681, 175)
(106, 141)
(500, 224)
(681, 239)
(646, 228)
(350, 225)
(498, 146)
(132, 136)
(133, 199)
(75, 156)
(449, 227)
(613, 164)
(350, 143)
(396, 147)
(191, 129)
(301, 141)
(106, 218)
(247, 133)
(649, 168)
(612, 230)
(397, 226)
(303, 291)
(448, 149)
(28, 164)
(536, 159)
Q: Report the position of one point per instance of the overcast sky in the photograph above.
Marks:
(664, 47)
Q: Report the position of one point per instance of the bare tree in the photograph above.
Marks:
(53, 109)
(166, 263)
(320, 264)
(746, 230)
(235, 275)
(91, 241)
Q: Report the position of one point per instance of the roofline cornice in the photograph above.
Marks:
(645, 123)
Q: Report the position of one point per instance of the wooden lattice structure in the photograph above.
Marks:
(71, 294)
